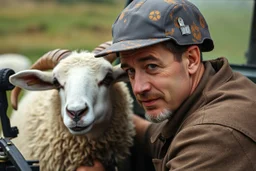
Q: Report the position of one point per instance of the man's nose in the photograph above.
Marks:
(140, 84)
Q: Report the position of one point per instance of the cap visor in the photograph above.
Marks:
(130, 45)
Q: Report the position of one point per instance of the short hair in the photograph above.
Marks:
(178, 50)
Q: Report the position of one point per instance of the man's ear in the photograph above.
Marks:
(194, 59)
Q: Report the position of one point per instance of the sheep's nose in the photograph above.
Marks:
(76, 115)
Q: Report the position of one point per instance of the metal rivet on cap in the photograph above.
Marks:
(185, 30)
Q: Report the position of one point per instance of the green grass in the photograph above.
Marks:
(36, 29)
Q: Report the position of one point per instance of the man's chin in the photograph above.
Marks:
(160, 116)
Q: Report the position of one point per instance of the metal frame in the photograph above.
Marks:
(249, 69)
(10, 157)
(251, 54)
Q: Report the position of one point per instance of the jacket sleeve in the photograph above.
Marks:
(210, 147)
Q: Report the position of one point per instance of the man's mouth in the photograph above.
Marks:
(149, 102)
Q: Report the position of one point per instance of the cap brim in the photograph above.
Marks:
(130, 45)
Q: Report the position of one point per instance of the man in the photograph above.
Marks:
(203, 113)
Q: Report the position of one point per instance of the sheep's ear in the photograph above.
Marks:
(119, 74)
(32, 80)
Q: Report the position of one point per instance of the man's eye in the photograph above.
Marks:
(152, 66)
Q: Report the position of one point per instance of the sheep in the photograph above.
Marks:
(78, 112)
(14, 61)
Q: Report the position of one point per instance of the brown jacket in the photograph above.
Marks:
(213, 130)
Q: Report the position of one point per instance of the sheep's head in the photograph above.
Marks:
(83, 82)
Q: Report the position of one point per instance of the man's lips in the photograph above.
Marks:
(148, 103)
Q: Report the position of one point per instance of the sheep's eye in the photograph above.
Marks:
(56, 83)
(107, 80)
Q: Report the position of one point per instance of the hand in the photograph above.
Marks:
(96, 167)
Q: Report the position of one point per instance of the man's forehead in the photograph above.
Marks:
(128, 53)
(131, 53)
(145, 51)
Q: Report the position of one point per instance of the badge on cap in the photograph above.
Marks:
(185, 30)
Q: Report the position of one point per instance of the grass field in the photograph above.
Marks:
(33, 29)
(37, 28)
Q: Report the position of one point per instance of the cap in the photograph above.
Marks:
(147, 22)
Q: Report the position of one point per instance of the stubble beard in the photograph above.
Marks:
(165, 114)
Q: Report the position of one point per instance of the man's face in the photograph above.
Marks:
(160, 83)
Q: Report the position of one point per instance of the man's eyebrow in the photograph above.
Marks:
(142, 59)
(147, 58)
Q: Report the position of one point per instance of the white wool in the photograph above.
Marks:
(43, 136)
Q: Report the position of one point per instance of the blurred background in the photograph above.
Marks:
(34, 27)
